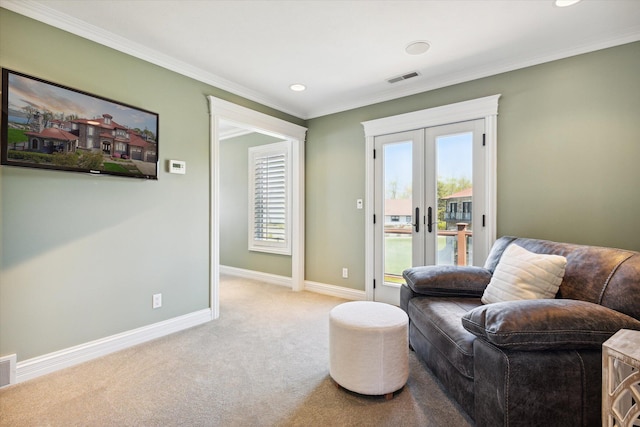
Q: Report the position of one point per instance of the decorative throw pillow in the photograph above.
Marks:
(521, 274)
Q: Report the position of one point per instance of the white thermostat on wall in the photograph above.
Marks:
(177, 166)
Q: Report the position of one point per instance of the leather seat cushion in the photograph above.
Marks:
(440, 321)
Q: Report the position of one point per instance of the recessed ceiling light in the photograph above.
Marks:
(565, 3)
(297, 87)
(417, 48)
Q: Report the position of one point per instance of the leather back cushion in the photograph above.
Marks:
(606, 276)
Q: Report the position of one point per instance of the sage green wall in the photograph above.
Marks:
(234, 209)
(568, 153)
(82, 255)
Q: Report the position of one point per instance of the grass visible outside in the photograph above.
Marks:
(398, 256)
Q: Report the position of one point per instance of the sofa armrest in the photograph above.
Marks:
(447, 280)
(546, 324)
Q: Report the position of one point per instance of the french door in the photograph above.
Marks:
(429, 201)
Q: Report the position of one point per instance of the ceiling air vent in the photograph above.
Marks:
(404, 77)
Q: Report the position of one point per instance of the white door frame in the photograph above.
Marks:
(482, 108)
(221, 110)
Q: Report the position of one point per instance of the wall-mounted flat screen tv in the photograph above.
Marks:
(50, 126)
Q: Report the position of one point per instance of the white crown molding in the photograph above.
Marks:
(72, 356)
(65, 22)
(62, 21)
(467, 75)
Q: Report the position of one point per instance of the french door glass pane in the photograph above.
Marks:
(454, 155)
(398, 205)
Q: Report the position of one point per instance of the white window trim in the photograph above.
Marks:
(482, 108)
(274, 149)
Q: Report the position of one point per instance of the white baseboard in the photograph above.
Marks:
(335, 291)
(52, 362)
(55, 361)
(319, 288)
(273, 279)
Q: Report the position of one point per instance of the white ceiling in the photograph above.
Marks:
(343, 51)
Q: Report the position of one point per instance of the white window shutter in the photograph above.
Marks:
(269, 198)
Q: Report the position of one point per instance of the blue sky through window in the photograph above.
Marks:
(454, 154)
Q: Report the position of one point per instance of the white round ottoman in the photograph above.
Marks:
(368, 347)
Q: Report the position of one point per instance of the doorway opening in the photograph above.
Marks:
(225, 116)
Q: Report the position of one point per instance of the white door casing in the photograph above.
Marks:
(408, 167)
(483, 108)
(221, 110)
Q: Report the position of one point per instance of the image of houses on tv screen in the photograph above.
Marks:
(56, 126)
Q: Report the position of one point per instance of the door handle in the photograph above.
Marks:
(417, 220)
(429, 220)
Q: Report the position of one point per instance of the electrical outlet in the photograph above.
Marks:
(359, 204)
(345, 273)
(157, 301)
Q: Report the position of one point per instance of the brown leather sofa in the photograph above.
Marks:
(528, 362)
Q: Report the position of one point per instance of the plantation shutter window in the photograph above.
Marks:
(269, 198)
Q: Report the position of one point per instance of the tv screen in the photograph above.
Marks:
(50, 126)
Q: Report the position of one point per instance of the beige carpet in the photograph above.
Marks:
(263, 363)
